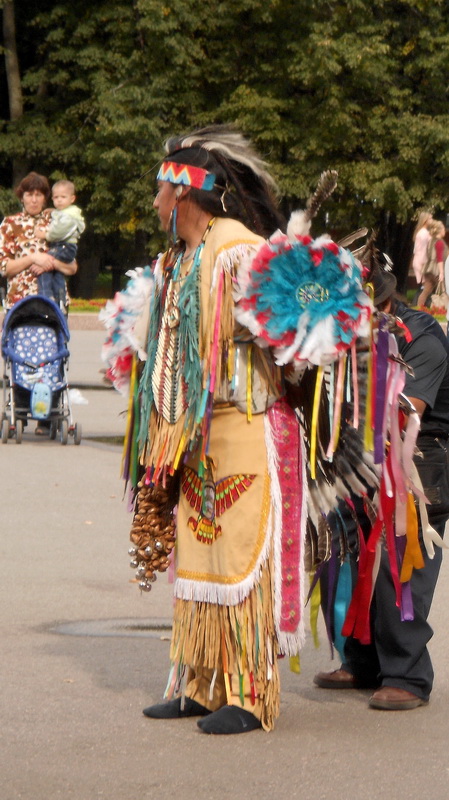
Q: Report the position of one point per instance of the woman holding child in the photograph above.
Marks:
(23, 255)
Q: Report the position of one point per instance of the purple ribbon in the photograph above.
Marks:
(381, 383)
(407, 613)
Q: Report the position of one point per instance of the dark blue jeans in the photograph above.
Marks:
(52, 284)
(63, 251)
(398, 654)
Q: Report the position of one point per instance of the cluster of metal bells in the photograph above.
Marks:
(141, 567)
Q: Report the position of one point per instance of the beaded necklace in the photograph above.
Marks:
(172, 377)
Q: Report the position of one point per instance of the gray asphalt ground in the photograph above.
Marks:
(79, 660)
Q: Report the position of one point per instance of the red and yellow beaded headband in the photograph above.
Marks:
(186, 175)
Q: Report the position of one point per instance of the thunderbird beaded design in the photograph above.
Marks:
(211, 500)
(311, 292)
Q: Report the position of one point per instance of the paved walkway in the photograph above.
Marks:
(70, 705)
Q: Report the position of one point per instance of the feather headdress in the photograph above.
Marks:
(223, 140)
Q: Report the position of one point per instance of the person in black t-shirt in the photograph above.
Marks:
(397, 662)
(429, 360)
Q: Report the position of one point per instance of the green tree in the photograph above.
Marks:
(358, 86)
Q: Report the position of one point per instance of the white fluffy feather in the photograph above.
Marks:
(298, 225)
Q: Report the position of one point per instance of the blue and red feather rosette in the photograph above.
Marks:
(304, 298)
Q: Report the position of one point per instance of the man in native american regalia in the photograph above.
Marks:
(226, 309)
(206, 391)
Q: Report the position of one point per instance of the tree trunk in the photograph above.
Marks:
(13, 78)
(89, 257)
(396, 239)
(12, 62)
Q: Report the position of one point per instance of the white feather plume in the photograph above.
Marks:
(298, 225)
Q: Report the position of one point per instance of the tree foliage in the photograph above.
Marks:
(359, 86)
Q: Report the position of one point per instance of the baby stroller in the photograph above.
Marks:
(34, 348)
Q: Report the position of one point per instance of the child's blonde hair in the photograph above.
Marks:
(64, 184)
(436, 228)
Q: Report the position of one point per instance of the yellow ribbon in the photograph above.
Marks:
(413, 557)
(245, 623)
(224, 658)
(228, 688)
(315, 410)
(315, 602)
(179, 451)
(249, 399)
(295, 664)
(231, 359)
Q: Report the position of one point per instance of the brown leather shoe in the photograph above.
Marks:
(390, 698)
(338, 679)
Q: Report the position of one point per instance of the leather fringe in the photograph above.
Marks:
(246, 631)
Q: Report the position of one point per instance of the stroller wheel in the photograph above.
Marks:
(77, 433)
(64, 427)
(5, 431)
(53, 429)
(19, 431)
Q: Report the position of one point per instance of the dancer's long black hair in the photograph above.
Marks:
(244, 189)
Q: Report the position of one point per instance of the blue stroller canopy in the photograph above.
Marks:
(35, 310)
(34, 340)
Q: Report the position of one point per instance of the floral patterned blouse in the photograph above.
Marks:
(18, 239)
